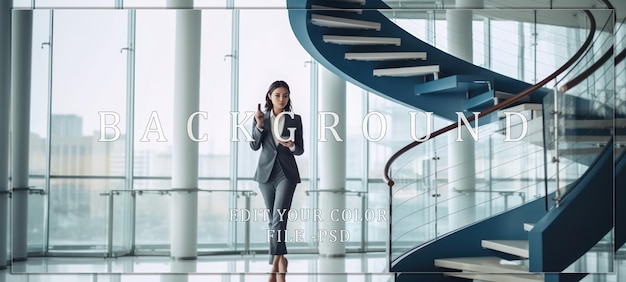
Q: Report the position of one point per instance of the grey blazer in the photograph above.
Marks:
(271, 153)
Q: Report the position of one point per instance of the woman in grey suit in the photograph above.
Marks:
(278, 132)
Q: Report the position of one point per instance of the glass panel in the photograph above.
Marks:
(78, 214)
(201, 4)
(213, 216)
(152, 184)
(24, 4)
(139, 4)
(586, 112)
(432, 197)
(36, 222)
(281, 58)
(6, 212)
(260, 4)
(49, 4)
(353, 215)
(152, 222)
(378, 229)
(215, 93)
(154, 91)
(122, 222)
(258, 226)
(504, 46)
(89, 77)
(39, 92)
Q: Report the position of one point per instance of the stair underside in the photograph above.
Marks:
(386, 56)
(497, 277)
(337, 22)
(320, 7)
(361, 40)
(362, 2)
(513, 247)
(407, 71)
(481, 265)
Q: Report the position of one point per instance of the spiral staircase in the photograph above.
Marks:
(356, 41)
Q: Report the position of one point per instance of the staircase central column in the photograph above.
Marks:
(332, 163)
(462, 170)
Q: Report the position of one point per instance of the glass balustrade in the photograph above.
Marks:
(579, 114)
(431, 196)
(429, 199)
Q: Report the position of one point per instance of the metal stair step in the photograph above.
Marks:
(528, 226)
(338, 22)
(361, 40)
(520, 108)
(481, 101)
(454, 84)
(481, 265)
(386, 56)
(513, 247)
(407, 71)
(497, 277)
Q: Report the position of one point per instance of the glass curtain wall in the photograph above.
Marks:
(83, 83)
(82, 64)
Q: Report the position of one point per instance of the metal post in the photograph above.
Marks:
(130, 118)
(246, 248)
(48, 131)
(363, 228)
(133, 224)
(110, 227)
(555, 159)
(389, 249)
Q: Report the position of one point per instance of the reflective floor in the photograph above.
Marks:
(369, 267)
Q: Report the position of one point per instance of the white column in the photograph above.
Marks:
(332, 161)
(5, 110)
(461, 163)
(461, 180)
(460, 28)
(184, 205)
(334, 270)
(20, 71)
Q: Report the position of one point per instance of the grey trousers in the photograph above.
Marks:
(277, 194)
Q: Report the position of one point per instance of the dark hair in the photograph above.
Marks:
(273, 86)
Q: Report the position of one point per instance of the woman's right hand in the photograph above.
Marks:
(258, 116)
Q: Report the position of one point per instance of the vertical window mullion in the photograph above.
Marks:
(130, 120)
(49, 131)
(234, 107)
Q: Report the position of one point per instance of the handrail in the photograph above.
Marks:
(620, 57)
(506, 103)
(595, 66)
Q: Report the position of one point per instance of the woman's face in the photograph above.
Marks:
(279, 98)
